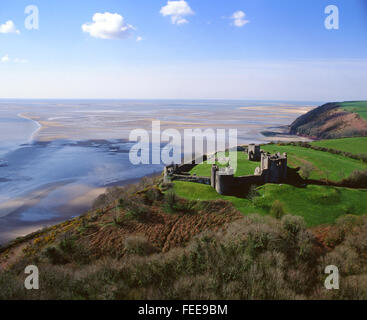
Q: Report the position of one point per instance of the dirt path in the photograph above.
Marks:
(10, 256)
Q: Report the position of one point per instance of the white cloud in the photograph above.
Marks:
(108, 26)
(8, 27)
(138, 39)
(238, 18)
(177, 10)
(5, 58)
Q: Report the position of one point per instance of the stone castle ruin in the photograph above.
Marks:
(181, 172)
(272, 168)
(254, 152)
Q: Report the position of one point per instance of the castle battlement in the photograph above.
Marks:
(272, 168)
(253, 152)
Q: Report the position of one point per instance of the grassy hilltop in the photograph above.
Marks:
(356, 146)
(317, 204)
(322, 165)
(333, 120)
(359, 107)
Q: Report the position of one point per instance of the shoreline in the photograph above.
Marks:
(79, 205)
(39, 127)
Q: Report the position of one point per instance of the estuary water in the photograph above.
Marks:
(57, 156)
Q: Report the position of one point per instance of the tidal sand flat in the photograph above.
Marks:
(58, 156)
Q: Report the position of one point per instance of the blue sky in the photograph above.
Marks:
(282, 50)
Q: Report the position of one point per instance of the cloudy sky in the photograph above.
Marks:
(194, 49)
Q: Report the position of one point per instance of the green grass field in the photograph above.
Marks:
(352, 145)
(326, 165)
(317, 204)
(244, 167)
(197, 191)
(359, 107)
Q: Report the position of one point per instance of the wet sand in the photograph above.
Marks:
(117, 123)
(12, 211)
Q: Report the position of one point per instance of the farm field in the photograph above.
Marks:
(352, 145)
(359, 107)
(325, 165)
(316, 204)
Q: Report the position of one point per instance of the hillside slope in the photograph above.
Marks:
(144, 241)
(332, 120)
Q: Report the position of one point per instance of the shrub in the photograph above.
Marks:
(345, 258)
(358, 178)
(137, 211)
(256, 257)
(67, 251)
(11, 288)
(145, 182)
(252, 193)
(139, 245)
(306, 170)
(79, 255)
(334, 237)
(118, 218)
(67, 244)
(152, 195)
(363, 157)
(170, 199)
(349, 221)
(293, 224)
(55, 256)
(305, 246)
(121, 202)
(277, 209)
(109, 197)
(345, 225)
(166, 186)
(262, 202)
(187, 206)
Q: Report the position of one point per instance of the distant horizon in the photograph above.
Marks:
(316, 102)
(172, 99)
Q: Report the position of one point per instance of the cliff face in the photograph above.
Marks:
(329, 121)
